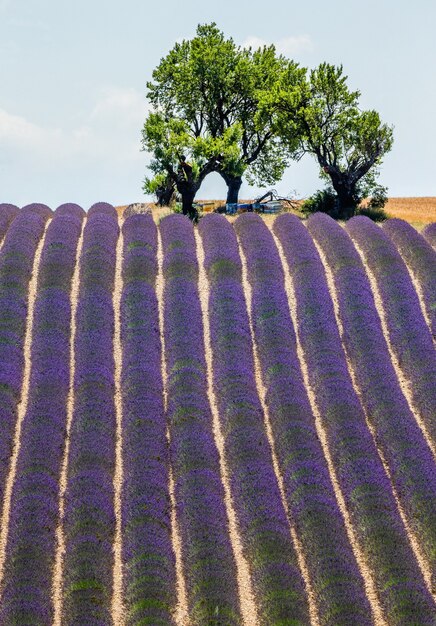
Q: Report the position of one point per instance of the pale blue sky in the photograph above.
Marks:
(73, 82)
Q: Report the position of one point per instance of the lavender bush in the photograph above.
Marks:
(40, 209)
(89, 500)
(410, 461)
(8, 212)
(34, 508)
(264, 527)
(149, 574)
(69, 208)
(429, 233)
(207, 555)
(365, 486)
(16, 263)
(103, 208)
(337, 582)
(421, 260)
(409, 335)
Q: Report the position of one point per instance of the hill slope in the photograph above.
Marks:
(232, 424)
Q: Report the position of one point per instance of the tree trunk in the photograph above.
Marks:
(165, 193)
(346, 192)
(233, 186)
(188, 190)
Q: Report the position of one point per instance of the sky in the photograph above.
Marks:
(73, 80)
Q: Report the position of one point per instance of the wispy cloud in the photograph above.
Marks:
(111, 130)
(288, 46)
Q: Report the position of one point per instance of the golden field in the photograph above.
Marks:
(417, 211)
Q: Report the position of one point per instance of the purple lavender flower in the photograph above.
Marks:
(8, 212)
(16, 263)
(40, 209)
(69, 208)
(34, 507)
(429, 233)
(208, 560)
(421, 259)
(409, 335)
(149, 574)
(262, 519)
(103, 208)
(89, 523)
(363, 481)
(337, 582)
(409, 458)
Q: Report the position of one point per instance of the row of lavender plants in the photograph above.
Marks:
(421, 260)
(336, 580)
(429, 233)
(208, 560)
(7, 214)
(409, 458)
(149, 567)
(89, 522)
(16, 263)
(265, 531)
(34, 507)
(367, 491)
(409, 335)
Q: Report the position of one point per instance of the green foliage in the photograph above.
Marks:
(215, 88)
(322, 201)
(349, 144)
(376, 214)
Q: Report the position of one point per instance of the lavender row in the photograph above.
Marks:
(421, 260)
(8, 212)
(89, 523)
(208, 559)
(149, 567)
(409, 335)
(336, 579)
(429, 233)
(34, 506)
(265, 531)
(409, 458)
(16, 263)
(363, 481)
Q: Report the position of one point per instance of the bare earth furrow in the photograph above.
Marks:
(89, 520)
(338, 588)
(118, 611)
(34, 504)
(405, 455)
(380, 533)
(208, 561)
(277, 581)
(406, 333)
(149, 577)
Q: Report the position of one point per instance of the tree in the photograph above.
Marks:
(215, 86)
(181, 158)
(348, 144)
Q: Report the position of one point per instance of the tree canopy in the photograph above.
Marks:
(349, 144)
(215, 87)
(218, 107)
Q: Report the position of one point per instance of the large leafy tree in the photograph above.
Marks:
(349, 144)
(215, 86)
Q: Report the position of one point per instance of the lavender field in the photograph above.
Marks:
(228, 424)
